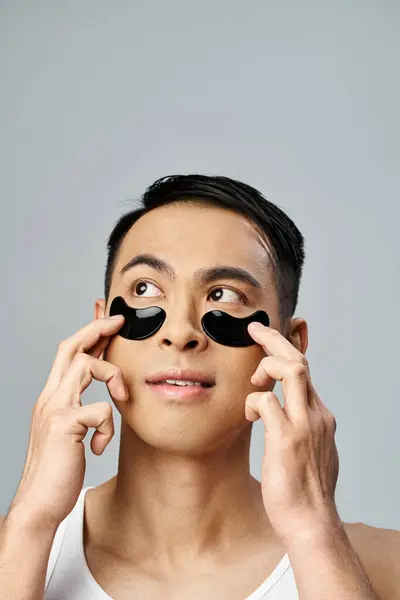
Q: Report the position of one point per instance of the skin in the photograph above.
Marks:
(183, 501)
(183, 486)
(183, 517)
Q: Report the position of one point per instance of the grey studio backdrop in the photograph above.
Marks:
(299, 99)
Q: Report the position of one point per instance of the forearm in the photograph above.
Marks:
(326, 566)
(24, 555)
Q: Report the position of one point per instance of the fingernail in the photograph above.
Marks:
(116, 317)
(255, 326)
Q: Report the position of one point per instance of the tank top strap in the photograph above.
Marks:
(68, 537)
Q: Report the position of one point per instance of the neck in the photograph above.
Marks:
(177, 507)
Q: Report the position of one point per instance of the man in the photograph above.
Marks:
(183, 518)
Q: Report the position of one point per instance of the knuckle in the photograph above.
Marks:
(37, 409)
(332, 422)
(63, 345)
(117, 371)
(106, 409)
(262, 402)
(81, 360)
(299, 370)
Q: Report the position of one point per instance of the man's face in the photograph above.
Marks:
(189, 239)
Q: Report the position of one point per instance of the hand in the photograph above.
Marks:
(55, 465)
(300, 464)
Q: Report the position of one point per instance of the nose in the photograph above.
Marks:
(182, 329)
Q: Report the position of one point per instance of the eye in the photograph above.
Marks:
(231, 296)
(140, 288)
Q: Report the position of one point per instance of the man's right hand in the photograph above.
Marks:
(55, 465)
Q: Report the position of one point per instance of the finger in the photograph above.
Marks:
(98, 415)
(83, 340)
(98, 349)
(328, 416)
(294, 378)
(267, 406)
(274, 343)
(82, 371)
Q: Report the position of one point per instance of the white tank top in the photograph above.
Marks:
(68, 576)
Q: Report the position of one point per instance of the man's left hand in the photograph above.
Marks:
(301, 464)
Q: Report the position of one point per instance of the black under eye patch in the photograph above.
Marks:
(141, 323)
(231, 331)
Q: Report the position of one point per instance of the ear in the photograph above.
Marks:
(100, 308)
(298, 335)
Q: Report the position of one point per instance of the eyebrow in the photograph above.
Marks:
(201, 276)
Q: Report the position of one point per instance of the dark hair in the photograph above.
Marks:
(283, 238)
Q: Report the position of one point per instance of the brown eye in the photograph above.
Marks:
(230, 296)
(215, 294)
(141, 287)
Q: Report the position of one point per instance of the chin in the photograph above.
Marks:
(181, 434)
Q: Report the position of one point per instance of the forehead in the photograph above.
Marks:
(191, 237)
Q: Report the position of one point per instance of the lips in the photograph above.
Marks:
(206, 379)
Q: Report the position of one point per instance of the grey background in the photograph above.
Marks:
(300, 99)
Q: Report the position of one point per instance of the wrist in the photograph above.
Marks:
(21, 520)
(319, 530)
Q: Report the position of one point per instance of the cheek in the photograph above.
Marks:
(124, 354)
(251, 357)
(241, 366)
(112, 350)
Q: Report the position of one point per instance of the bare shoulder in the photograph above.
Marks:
(375, 542)
(2, 517)
(379, 551)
